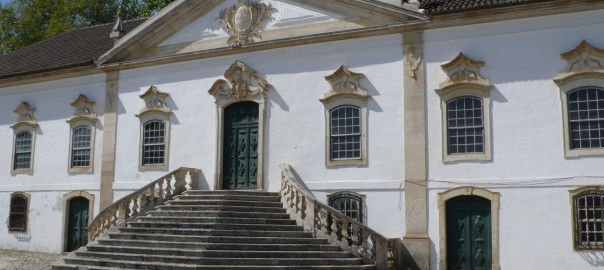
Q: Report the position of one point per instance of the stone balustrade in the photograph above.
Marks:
(327, 222)
(143, 200)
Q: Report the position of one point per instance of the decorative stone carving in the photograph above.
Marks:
(244, 83)
(584, 61)
(25, 114)
(464, 71)
(414, 61)
(244, 20)
(345, 83)
(155, 102)
(83, 110)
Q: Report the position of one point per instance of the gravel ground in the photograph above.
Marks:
(24, 260)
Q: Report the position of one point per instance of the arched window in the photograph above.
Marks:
(345, 133)
(81, 139)
(586, 117)
(588, 211)
(465, 125)
(23, 150)
(17, 220)
(349, 203)
(154, 143)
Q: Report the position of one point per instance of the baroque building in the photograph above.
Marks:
(468, 134)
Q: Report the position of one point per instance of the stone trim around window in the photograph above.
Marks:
(585, 68)
(83, 116)
(464, 79)
(155, 109)
(573, 194)
(443, 197)
(345, 90)
(28, 123)
(26, 221)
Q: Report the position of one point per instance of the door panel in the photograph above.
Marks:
(240, 147)
(77, 230)
(468, 233)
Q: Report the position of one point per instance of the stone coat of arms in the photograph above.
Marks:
(244, 20)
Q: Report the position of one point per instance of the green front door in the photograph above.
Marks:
(468, 233)
(240, 147)
(77, 230)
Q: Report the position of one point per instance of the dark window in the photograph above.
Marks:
(589, 221)
(154, 145)
(17, 220)
(23, 146)
(586, 117)
(80, 146)
(350, 204)
(345, 132)
(465, 125)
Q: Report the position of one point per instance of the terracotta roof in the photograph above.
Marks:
(80, 47)
(436, 7)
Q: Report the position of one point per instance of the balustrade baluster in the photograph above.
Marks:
(344, 231)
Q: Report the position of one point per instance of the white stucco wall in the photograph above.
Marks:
(528, 167)
(50, 179)
(295, 127)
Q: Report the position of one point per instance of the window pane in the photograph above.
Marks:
(586, 117)
(23, 143)
(465, 125)
(589, 222)
(80, 146)
(153, 142)
(345, 137)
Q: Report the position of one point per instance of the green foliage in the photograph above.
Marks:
(25, 22)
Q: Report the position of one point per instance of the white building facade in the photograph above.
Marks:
(480, 125)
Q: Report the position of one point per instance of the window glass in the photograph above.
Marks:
(586, 118)
(80, 146)
(465, 125)
(153, 142)
(23, 145)
(349, 204)
(589, 221)
(18, 213)
(345, 132)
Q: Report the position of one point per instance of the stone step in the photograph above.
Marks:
(92, 264)
(248, 198)
(274, 254)
(218, 261)
(226, 203)
(258, 193)
(151, 243)
(216, 239)
(219, 226)
(272, 247)
(233, 208)
(145, 250)
(216, 232)
(232, 214)
(218, 220)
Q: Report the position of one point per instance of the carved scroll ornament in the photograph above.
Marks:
(155, 102)
(83, 110)
(25, 114)
(243, 82)
(463, 70)
(345, 83)
(243, 21)
(584, 61)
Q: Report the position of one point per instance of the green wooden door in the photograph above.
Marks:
(77, 230)
(240, 147)
(468, 233)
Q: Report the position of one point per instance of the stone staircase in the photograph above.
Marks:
(212, 230)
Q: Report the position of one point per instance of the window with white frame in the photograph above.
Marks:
(465, 105)
(465, 125)
(345, 119)
(24, 140)
(155, 131)
(82, 126)
(345, 132)
(588, 216)
(582, 99)
(17, 218)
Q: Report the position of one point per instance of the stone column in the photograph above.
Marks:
(109, 141)
(416, 242)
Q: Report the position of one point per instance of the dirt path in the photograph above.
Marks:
(24, 260)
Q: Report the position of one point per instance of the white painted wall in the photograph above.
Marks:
(50, 179)
(295, 127)
(528, 168)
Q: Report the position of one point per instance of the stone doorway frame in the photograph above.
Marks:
(244, 84)
(443, 197)
(66, 199)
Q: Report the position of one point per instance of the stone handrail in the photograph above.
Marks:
(327, 222)
(143, 200)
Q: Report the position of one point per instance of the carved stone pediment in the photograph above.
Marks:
(464, 70)
(155, 102)
(244, 21)
(345, 83)
(243, 83)
(25, 114)
(83, 110)
(584, 61)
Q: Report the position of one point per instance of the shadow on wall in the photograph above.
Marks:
(595, 258)
(20, 236)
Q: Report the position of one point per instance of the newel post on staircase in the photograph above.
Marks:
(309, 217)
(381, 253)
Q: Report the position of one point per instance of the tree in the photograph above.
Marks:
(25, 22)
